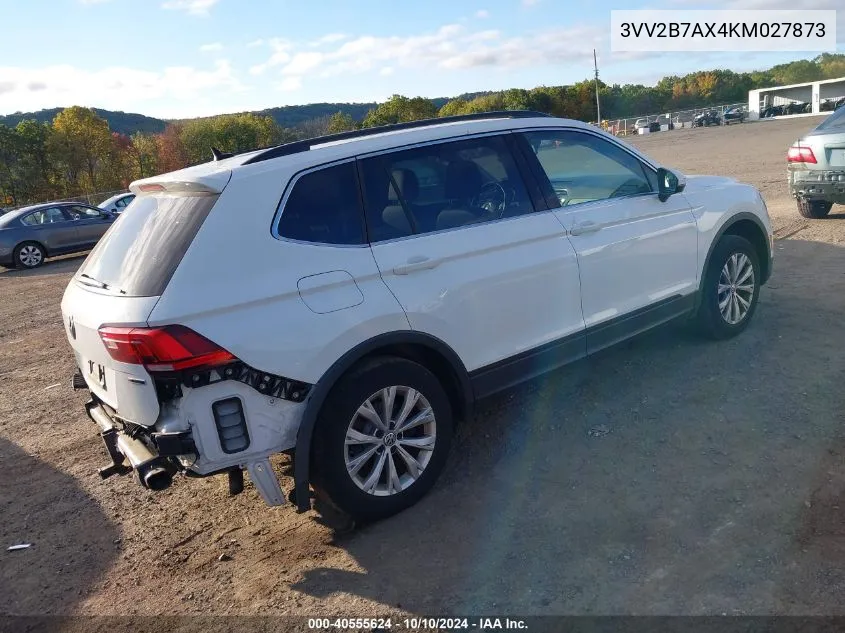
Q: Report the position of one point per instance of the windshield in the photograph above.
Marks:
(833, 123)
(140, 252)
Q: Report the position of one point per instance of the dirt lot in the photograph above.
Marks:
(668, 476)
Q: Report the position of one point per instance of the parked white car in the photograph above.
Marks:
(347, 299)
(116, 204)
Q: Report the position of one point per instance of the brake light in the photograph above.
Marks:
(798, 154)
(170, 348)
(151, 187)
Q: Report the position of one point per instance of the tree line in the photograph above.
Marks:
(77, 153)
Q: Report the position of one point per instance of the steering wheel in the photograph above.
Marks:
(492, 199)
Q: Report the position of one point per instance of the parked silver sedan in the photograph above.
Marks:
(816, 167)
(31, 234)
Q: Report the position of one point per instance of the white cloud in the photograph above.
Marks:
(530, 3)
(211, 48)
(192, 7)
(451, 47)
(482, 14)
(330, 38)
(187, 89)
(301, 63)
(255, 43)
(290, 84)
(281, 55)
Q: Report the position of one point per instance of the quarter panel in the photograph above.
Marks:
(237, 285)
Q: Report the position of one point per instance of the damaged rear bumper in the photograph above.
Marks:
(129, 453)
(156, 458)
(827, 185)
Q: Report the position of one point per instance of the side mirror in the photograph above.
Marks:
(667, 184)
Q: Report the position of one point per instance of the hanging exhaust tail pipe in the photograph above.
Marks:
(152, 471)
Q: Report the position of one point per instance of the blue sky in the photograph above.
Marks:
(183, 58)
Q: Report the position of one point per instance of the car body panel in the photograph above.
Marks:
(660, 236)
(503, 298)
(128, 388)
(89, 229)
(458, 295)
(207, 289)
(716, 201)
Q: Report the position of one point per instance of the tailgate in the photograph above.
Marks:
(128, 389)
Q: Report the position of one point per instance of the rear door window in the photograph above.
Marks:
(442, 186)
(51, 215)
(324, 207)
(140, 252)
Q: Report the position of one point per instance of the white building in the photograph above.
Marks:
(813, 92)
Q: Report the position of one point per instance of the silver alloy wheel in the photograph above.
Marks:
(30, 256)
(736, 288)
(390, 441)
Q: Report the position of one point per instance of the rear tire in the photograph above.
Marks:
(730, 290)
(814, 209)
(29, 255)
(364, 464)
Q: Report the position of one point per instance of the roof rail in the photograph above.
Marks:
(304, 145)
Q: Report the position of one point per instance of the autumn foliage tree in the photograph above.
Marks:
(82, 141)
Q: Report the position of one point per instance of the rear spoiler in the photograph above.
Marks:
(199, 185)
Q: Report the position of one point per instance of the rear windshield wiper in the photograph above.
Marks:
(96, 283)
(93, 282)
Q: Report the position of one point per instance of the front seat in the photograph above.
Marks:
(462, 184)
(394, 214)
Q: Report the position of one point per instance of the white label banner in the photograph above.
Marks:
(722, 30)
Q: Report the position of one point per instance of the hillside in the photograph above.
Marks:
(122, 122)
(285, 116)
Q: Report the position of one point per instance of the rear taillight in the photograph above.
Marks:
(169, 348)
(798, 154)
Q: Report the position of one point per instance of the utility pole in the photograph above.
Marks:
(598, 105)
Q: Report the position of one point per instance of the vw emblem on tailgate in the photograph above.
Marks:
(71, 327)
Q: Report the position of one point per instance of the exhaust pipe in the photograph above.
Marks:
(147, 464)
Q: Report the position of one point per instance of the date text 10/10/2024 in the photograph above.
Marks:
(411, 624)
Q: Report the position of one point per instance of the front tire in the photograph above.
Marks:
(730, 290)
(381, 439)
(29, 255)
(814, 209)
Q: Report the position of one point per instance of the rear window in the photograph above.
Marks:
(833, 123)
(140, 252)
(324, 207)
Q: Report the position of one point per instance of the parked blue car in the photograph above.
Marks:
(30, 235)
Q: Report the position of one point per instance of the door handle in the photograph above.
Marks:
(581, 228)
(420, 262)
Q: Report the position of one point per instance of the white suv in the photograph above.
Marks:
(347, 299)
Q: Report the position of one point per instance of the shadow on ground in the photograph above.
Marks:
(72, 541)
(666, 476)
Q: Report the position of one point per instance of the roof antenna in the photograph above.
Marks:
(218, 155)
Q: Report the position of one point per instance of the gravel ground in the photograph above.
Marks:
(666, 476)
